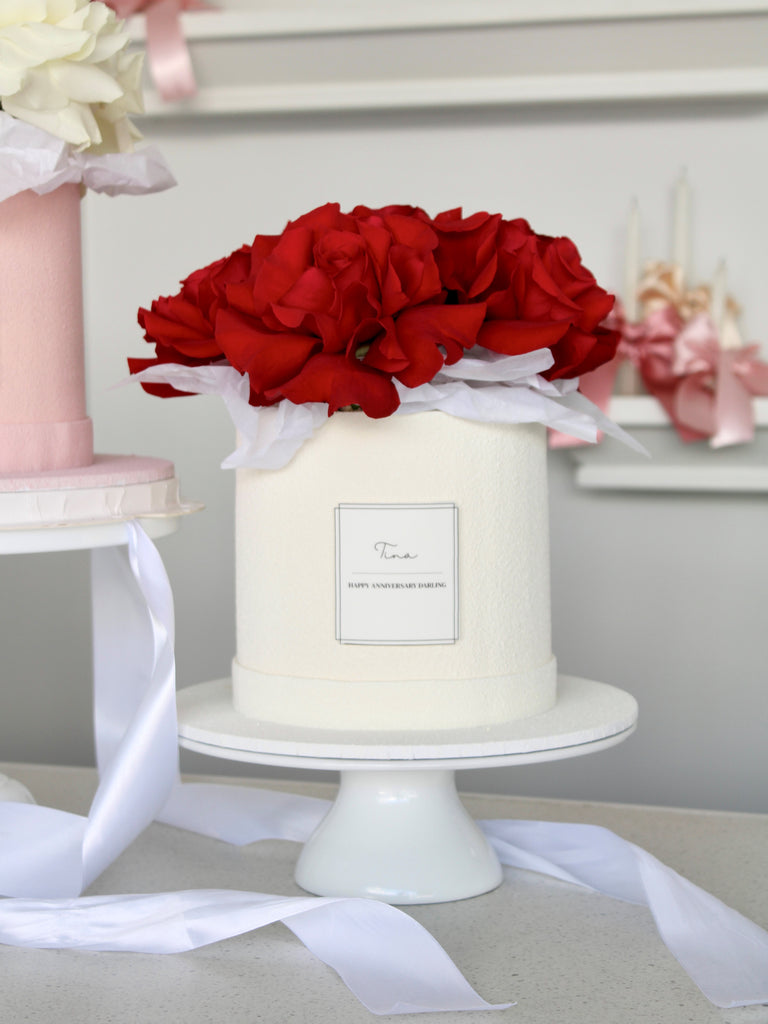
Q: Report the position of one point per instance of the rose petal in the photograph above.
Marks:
(177, 324)
(431, 336)
(312, 292)
(340, 381)
(579, 352)
(467, 251)
(268, 359)
(514, 337)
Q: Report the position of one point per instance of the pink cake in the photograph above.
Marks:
(43, 420)
(49, 475)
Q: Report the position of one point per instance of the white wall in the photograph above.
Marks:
(664, 595)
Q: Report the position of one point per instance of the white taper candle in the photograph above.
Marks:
(717, 301)
(632, 262)
(681, 235)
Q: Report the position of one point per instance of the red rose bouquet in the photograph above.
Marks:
(379, 309)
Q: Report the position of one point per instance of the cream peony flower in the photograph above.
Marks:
(63, 68)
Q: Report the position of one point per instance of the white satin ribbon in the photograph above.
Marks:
(46, 852)
(389, 961)
(385, 958)
(724, 952)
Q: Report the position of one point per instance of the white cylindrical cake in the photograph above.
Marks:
(395, 576)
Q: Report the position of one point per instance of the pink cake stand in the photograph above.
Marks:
(58, 510)
(397, 830)
(86, 508)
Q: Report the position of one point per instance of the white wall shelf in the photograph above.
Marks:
(302, 17)
(677, 477)
(673, 465)
(645, 411)
(296, 57)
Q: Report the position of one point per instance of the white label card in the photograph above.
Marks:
(397, 574)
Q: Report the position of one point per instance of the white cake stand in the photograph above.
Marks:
(84, 509)
(397, 830)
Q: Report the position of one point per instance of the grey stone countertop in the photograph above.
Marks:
(562, 954)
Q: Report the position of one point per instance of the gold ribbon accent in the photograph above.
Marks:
(662, 285)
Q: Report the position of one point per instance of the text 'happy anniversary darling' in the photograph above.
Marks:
(386, 551)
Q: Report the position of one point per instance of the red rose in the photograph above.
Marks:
(182, 326)
(467, 251)
(403, 244)
(543, 297)
(416, 345)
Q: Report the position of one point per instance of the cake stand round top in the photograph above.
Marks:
(86, 507)
(588, 716)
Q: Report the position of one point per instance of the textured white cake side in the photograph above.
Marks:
(290, 668)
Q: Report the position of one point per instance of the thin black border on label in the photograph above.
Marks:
(378, 505)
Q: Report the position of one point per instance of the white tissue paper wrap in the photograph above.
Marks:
(489, 387)
(389, 961)
(31, 158)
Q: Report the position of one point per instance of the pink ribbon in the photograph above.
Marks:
(669, 350)
(597, 386)
(169, 59)
(717, 386)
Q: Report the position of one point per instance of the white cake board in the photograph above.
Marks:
(85, 507)
(398, 831)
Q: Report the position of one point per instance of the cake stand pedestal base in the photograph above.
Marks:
(398, 831)
(401, 837)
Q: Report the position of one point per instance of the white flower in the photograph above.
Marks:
(63, 68)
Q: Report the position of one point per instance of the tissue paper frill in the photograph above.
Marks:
(34, 159)
(489, 388)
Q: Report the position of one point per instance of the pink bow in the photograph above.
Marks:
(717, 385)
(705, 390)
(169, 60)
